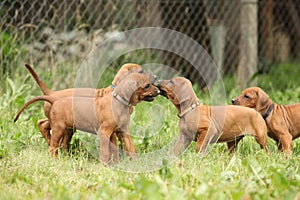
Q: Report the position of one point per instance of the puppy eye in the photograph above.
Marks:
(141, 71)
(171, 81)
(246, 96)
(147, 87)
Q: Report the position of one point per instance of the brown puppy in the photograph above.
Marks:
(282, 120)
(106, 116)
(44, 124)
(209, 124)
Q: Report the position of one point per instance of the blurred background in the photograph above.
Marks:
(246, 38)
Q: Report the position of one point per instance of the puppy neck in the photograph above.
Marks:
(269, 111)
(192, 107)
(187, 104)
(266, 109)
(123, 95)
(121, 99)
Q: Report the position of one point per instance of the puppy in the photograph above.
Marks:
(105, 116)
(209, 124)
(44, 124)
(282, 120)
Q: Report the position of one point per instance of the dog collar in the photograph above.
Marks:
(268, 111)
(192, 107)
(120, 99)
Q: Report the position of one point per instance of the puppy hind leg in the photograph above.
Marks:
(57, 134)
(128, 145)
(66, 139)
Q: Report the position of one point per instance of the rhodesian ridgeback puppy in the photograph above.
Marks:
(209, 124)
(105, 116)
(282, 120)
(44, 125)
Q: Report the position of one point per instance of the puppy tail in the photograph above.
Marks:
(41, 84)
(39, 98)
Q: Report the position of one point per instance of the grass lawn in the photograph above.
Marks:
(28, 172)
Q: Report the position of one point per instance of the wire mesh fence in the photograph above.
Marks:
(241, 35)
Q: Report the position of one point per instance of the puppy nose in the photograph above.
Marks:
(157, 90)
(233, 100)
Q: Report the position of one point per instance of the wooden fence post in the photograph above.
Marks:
(248, 43)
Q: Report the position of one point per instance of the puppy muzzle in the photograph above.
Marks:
(235, 102)
(152, 95)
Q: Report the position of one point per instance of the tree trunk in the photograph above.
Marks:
(266, 30)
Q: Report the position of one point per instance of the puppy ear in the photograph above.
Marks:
(120, 76)
(125, 70)
(262, 100)
(186, 92)
(128, 88)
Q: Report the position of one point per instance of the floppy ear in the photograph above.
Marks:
(186, 93)
(262, 100)
(120, 76)
(127, 88)
(125, 70)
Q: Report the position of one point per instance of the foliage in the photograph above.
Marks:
(280, 77)
(8, 51)
(28, 172)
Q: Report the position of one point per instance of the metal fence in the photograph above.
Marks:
(243, 36)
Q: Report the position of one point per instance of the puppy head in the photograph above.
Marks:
(253, 97)
(177, 89)
(125, 70)
(137, 87)
(129, 68)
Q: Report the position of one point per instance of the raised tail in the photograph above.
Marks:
(41, 84)
(49, 99)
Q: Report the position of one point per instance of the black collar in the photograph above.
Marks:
(268, 111)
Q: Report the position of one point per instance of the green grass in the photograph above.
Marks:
(28, 172)
(280, 77)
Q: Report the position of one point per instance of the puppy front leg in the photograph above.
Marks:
(279, 145)
(104, 154)
(206, 136)
(183, 141)
(286, 142)
(201, 145)
(113, 147)
(282, 136)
